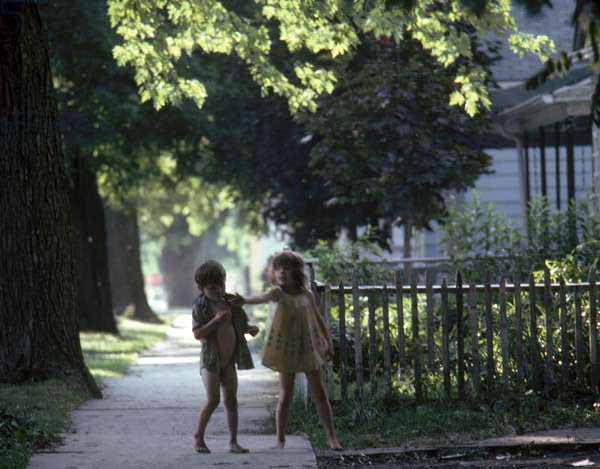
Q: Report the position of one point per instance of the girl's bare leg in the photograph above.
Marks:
(211, 385)
(286, 395)
(319, 396)
(229, 383)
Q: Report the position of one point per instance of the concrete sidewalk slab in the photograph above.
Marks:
(148, 417)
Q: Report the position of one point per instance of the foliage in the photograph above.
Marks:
(26, 426)
(158, 34)
(583, 260)
(375, 151)
(478, 238)
(164, 195)
(387, 138)
(100, 112)
(269, 169)
(395, 422)
(143, 158)
(335, 261)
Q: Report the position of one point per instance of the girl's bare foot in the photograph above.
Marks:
(200, 446)
(280, 444)
(235, 448)
(334, 444)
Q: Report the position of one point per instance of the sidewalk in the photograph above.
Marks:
(147, 418)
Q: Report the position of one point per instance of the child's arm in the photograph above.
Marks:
(272, 295)
(203, 331)
(248, 328)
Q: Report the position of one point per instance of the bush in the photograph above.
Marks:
(337, 260)
(478, 238)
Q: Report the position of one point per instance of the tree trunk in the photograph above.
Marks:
(39, 337)
(125, 266)
(94, 297)
(178, 264)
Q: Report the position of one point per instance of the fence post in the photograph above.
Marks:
(358, 359)
(372, 344)
(387, 359)
(400, 317)
(504, 333)
(519, 330)
(548, 306)
(564, 339)
(489, 333)
(535, 358)
(445, 340)
(343, 349)
(474, 323)
(578, 338)
(593, 333)
(430, 327)
(460, 337)
(313, 282)
(416, 341)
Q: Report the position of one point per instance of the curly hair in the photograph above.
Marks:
(210, 272)
(296, 264)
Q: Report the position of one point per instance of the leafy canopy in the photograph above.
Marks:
(158, 34)
(388, 139)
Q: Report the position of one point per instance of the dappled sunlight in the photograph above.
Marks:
(109, 355)
(104, 373)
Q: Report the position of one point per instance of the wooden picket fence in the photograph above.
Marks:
(557, 368)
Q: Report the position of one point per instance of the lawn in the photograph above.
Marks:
(400, 422)
(32, 415)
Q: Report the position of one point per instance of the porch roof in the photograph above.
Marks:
(518, 110)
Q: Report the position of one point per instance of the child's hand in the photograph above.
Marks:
(222, 315)
(253, 330)
(237, 300)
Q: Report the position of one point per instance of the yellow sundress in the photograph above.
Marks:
(295, 343)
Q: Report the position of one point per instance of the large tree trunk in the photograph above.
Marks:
(94, 297)
(177, 265)
(125, 266)
(178, 262)
(39, 337)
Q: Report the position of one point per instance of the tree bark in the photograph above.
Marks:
(178, 265)
(39, 337)
(93, 287)
(125, 266)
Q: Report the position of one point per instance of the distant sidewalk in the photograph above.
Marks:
(147, 418)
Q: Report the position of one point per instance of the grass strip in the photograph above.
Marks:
(400, 422)
(33, 415)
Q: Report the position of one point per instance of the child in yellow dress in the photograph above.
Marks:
(298, 341)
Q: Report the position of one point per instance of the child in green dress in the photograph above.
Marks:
(298, 341)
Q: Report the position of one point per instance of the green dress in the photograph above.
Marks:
(295, 343)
